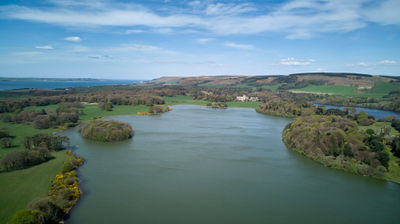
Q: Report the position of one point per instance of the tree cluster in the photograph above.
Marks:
(43, 119)
(5, 138)
(105, 131)
(37, 150)
(286, 108)
(336, 141)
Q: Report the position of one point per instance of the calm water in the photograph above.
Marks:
(199, 165)
(6, 85)
(376, 113)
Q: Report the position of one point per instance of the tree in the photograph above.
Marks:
(13, 160)
(42, 122)
(106, 106)
(6, 142)
(396, 146)
(383, 157)
(51, 212)
(362, 118)
(49, 141)
(4, 132)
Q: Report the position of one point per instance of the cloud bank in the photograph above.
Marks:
(297, 19)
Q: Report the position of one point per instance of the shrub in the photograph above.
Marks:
(156, 109)
(106, 106)
(4, 132)
(27, 217)
(51, 213)
(6, 142)
(105, 131)
(67, 166)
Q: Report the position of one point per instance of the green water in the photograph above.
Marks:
(199, 165)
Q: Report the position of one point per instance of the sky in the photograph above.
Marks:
(121, 39)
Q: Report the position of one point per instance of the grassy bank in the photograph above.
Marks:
(20, 187)
(18, 133)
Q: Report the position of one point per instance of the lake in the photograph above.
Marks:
(374, 112)
(201, 165)
(8, 85)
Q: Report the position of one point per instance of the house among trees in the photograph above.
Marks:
(246, 98)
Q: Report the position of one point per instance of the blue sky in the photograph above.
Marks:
(119, 39)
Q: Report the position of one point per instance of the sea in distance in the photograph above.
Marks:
(41, 83)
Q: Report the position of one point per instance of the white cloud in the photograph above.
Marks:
(163, 30)
(387, 12)
(137, 47)
(220, 9)
(28, 53)
(239, 46)
(194, 3)
(73, 39)
(387, 62)
(97, 57)
(296, 18)
(80, 48)
(140, 47)
(204, 40)
(372, 64)
(293, 61)
(46, 47)
(134, 31)
(359, 64)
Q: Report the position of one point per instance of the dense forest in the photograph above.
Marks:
(337, 142)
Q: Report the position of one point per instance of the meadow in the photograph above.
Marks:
(20, 187)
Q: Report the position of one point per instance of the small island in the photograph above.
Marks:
(105, 131)
(217, 105)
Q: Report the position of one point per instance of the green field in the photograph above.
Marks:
(20, 187)
(18, 133)
(180, 99)
(377, 127)
(93, 110)
(382, 88)
(330, 89)
(271, 87)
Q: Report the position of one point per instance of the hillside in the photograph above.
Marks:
(342, 84)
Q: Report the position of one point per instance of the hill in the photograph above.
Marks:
(342, 84)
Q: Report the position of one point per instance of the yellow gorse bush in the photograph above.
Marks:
(67, 185)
